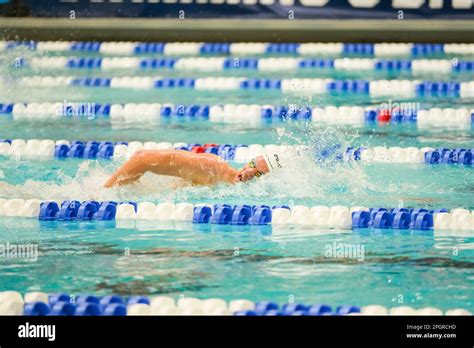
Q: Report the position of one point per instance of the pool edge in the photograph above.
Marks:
(220, 30)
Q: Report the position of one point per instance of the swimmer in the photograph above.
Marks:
(199, 168)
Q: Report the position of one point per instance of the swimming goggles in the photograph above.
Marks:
(253, 164)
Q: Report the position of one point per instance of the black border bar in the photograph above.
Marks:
(215, 330)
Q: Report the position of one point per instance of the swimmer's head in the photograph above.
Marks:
(259, 166)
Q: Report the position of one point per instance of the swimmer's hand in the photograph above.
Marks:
(246, 174)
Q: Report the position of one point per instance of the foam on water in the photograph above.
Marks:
(87, 184)
(307, 176)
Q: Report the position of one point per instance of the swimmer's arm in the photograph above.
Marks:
(199, 168)
(141, 162)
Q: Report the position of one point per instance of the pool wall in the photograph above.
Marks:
(225, 30)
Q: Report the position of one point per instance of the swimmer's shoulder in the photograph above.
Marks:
(212, 156)
(198, 155)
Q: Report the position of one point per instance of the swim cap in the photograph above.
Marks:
(273, 161)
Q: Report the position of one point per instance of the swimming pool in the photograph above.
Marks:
(186, 104)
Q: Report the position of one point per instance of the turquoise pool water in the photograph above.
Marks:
(414, 268)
